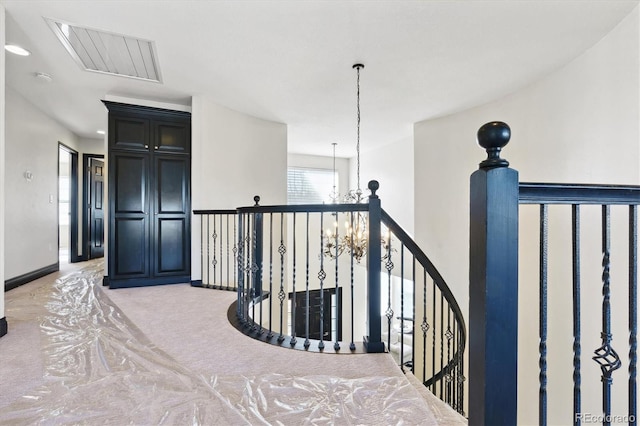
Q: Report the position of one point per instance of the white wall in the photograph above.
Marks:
(579, 124)
(31, 224)
(393, 167)
(234, 158)
(2, 156)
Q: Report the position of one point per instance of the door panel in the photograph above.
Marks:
(172, 179)
(130, 249)
(130, 133)
(172, 238)
(171, 248)
(131, 181)
(171, 136)
(96, 209)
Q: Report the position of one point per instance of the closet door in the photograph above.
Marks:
(171, 239)
(129, 230)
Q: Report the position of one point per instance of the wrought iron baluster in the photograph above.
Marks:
(413, 314)
(577, 349)
(448, 376)
(389, 312)
(454, 396)
(282, 249)
(202, 248)
(433, 335)
(633, 312)
(306, 319)
(461, 377)
(250, 256)
(293, 340)
(401, 303)
(441, 344)
(424, 326)
(352, 345)
(227, 231)
(247, 261)
(336, 345)
(214, 262)
(248, 284)
(258, 244)
(221, 280)
(208, 253)
(605, 355)
(253, 269)
(270, 334)
(542, 347)
(240, 265)
(321, 276)
(235, 254)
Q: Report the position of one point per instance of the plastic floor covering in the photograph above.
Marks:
(99, 368)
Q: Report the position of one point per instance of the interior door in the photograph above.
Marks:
(96, 209)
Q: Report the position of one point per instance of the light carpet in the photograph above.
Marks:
(79, 353)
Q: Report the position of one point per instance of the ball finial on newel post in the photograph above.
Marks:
(373, 187)
(493, 137)
(256, 199)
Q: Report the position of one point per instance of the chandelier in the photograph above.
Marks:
(354, 240)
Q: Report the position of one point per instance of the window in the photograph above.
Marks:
(310, 186)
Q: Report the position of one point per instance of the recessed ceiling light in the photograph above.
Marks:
(100, 132)
(15, 49)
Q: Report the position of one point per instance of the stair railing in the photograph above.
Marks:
(307, 278)
(496, 195)
(318, 292)
(218, 249)
(436, 327)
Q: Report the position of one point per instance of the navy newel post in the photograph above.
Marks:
(258, 249)
(373, 340)
(493, 284)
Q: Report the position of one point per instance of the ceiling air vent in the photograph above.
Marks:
(108, 53)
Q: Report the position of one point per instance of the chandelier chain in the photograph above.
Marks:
(358, 130)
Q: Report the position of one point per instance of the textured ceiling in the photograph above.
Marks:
(290, 61)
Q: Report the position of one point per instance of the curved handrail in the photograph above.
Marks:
(422, 258)
(305, 208)
(256, 240)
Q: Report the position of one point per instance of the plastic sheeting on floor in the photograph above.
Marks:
(101, 369)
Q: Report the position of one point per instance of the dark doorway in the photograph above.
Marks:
(93, 219)
(67, 204)
(330, 306)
